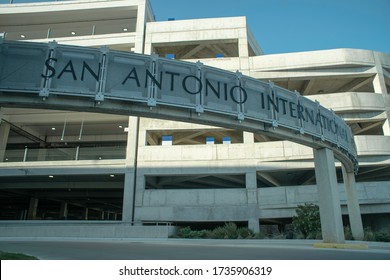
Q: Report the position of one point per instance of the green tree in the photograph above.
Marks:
(307, 220)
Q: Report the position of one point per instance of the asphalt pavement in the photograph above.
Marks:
(191, 249)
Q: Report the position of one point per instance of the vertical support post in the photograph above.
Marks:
(251, 190)
(355, 218)
(140, 27)
(130, 170)
(243, 50)
(4, 133)
(86, 210)
(248, 138)
(77, 153)
(63, 211)
(328, 196)
(25, 154)
(32, 209)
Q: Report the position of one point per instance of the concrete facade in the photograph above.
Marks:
(107, 167)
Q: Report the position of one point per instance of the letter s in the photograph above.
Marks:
(49, 68)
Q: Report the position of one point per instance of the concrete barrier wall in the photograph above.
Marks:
(67, 229)
(232, 204)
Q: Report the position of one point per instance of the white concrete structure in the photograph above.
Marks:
(56, 164)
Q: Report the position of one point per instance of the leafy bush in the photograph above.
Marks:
(186, 232)
(228, 231)
(183, 232)
(369, 234)
(383, 235)
(307, 220)
(244, 233)
(306, 223)
(259, 235)
(348, 233)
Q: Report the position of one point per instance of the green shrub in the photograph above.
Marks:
(305, 227)
(259, 235)
(383, 235)
(348, 233)
(218, 233)
(183, 232)
(228, 231)
(307, 220)
(244, 233)
(369, 234)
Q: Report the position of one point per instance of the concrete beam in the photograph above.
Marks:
(193, 51)
(269, 179)
(307, 86)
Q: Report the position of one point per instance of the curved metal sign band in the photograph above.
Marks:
(100, 80)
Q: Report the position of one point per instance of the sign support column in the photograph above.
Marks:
(328, 196)
(355, 218)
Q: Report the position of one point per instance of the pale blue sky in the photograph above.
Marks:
(282, 26)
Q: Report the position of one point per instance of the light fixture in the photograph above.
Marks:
(22, 36)
(112, 175)
(51, 176)
(125, 29)
(120, 126)
(53, 128)
(73, 33)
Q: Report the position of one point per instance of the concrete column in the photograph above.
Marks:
(248, 138)
(251, 190)
(355, 218)
(243, 51)
(328, 196)
(379, 82)
(63, 211)
(140, 28)
(130, 170)
(32, 209)
(4, 133)
(86, 210)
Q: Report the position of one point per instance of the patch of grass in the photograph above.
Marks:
(15, 256)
